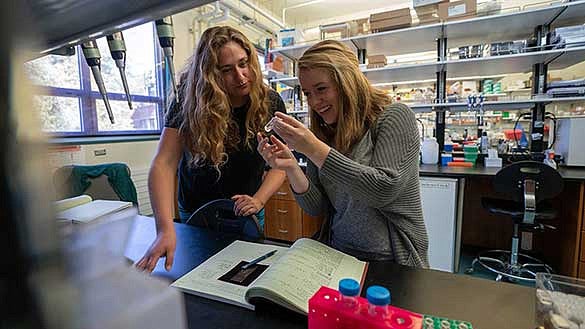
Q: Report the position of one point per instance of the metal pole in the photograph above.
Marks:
(441, 95)
(539, 73)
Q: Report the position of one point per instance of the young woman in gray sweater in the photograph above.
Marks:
(363, 160)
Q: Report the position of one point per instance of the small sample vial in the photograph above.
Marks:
(378, 299)
(349, 290)
(268, 127)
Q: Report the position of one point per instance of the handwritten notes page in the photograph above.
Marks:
(301, 271)
(204, 279)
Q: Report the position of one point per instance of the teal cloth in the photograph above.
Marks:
(118, 177)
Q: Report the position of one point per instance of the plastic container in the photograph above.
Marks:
(430, 151)
(446, 158)
(510, 134)
(448, 147)
(470, 148)
(378, 300)
(349, 290)
(470, 153)
(560, 301)
(493, 162)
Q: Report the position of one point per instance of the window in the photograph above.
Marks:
(69, 101)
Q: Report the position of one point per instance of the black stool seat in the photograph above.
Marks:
(525, 187)
(516, 209)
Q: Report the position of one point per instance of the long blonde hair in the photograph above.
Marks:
(360, 104)
(208, 128)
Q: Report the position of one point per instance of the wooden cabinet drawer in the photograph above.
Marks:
(283, 220)
(581, 270)
(284, 192)
(311, 224)
(582, 247)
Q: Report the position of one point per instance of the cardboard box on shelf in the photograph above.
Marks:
(375, 65)
(429, 9)
(457, 9)
(390, 24)
(392, 14)
(428, 14)
(377, 59)
(428, 19)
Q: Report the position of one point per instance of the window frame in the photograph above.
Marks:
(88, 98)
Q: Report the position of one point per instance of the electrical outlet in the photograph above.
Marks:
(100, 152)
(526, 241)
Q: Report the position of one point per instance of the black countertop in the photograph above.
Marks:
(568, 173)
(486, 304)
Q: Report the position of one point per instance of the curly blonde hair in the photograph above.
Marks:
(208, 127)
(360, 104)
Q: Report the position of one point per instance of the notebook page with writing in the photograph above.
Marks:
(205, 281)
(299, 273)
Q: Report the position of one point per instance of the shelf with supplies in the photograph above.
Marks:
(289, 81)
(481, 66)
(514, 63)
(500, 27)
(503, 27)
(510, 104)
(398, 42)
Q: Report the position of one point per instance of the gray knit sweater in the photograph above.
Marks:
(374, 193)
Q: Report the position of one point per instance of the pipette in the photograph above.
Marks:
(118, 51)
(92, 55)
(166, 37)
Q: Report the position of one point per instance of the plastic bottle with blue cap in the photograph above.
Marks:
(378, 301)
(349, 290)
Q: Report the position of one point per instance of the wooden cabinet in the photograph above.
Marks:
(285, 220)
(583, 246)
(581, 221)
(582, 257)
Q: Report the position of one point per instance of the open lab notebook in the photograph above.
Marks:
(288, 278)
(82, 209)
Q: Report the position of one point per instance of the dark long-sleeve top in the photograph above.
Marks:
(374, 194)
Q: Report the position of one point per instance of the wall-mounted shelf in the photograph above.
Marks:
(482, 66)
(398, 42)
(289, 81)
(295, 52)
(402, 73)
(512, 105)
(514, 63)
(423, 108)
(571, 15)
(502, 27)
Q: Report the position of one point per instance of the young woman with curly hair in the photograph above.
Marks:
(210, 137)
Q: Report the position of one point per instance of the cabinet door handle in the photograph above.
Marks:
(280, 211)
(281, 193)
(283, 231)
